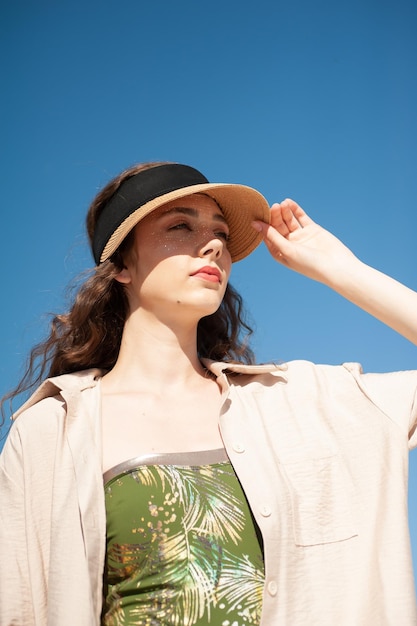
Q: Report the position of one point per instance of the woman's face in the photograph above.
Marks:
(179, 261)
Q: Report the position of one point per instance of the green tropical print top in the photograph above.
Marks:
(182, 546)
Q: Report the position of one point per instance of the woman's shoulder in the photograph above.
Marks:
(314, 376)
(299, 365)
(43, 417)
(54, 392)
(280, 370)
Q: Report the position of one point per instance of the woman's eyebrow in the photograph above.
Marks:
(192, 213)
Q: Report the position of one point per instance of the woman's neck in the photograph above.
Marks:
(153, 353)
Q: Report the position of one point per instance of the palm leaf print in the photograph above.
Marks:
(178, 561)
(244, 590)
(208, 513)
(212, 510)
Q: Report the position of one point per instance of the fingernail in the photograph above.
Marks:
(256, 226)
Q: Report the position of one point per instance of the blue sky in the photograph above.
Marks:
(315, 101)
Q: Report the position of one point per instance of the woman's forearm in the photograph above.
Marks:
(385, 298)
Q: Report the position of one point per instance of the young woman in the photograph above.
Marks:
(233, 494)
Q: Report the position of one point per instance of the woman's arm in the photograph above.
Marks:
(297, 242)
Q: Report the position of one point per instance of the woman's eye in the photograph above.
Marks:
(186, 226)
(182, 225)
(223, 235)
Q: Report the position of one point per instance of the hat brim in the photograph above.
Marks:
(239, 204)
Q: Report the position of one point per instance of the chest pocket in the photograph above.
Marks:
(320, 499)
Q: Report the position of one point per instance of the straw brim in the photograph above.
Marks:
(239, 204)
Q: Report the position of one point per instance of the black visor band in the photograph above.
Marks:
(137, 191)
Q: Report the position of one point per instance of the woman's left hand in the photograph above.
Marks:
(297, 242)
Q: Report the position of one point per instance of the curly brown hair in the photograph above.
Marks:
(89, 334)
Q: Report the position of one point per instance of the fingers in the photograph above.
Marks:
(287, 217)
(284, 218)
(289, 227)
(276, 242)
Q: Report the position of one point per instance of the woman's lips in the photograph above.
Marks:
(212, 274)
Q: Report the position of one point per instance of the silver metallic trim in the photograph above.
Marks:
(199, 457)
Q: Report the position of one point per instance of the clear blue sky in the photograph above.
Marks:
(312, 100)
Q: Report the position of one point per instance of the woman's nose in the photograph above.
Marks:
(213, 248)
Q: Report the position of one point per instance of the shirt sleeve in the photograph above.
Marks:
(395, 393)
(15, 589)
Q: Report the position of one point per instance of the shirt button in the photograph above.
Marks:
(265, 511)
(272, 588)
(238, 447)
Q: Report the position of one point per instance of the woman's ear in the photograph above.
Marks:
(123, 276)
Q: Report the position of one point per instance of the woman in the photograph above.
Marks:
(233, 493)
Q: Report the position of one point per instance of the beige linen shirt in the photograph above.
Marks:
(321, 452)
